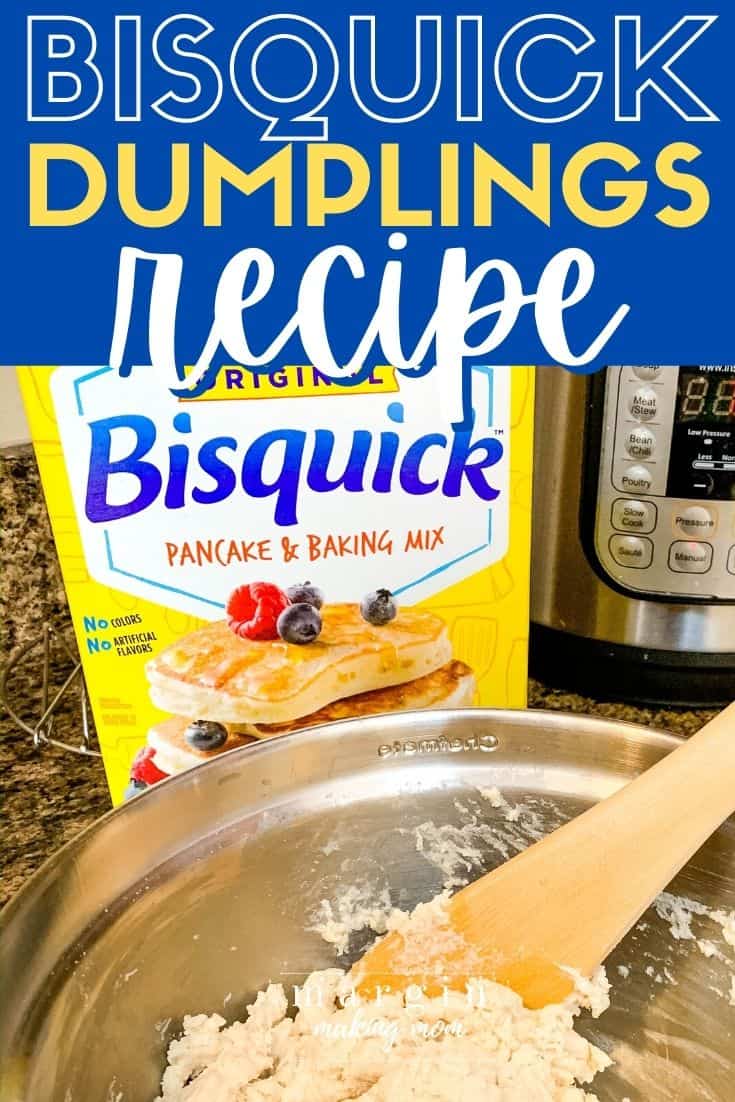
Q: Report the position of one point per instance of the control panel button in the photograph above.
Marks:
(636, 480)
(640, 443)
(696, 522)
(690, 558)
(731, 561)
(632, 551)
(648, 372)
(643, 404)
(634, 516)
(700, 484)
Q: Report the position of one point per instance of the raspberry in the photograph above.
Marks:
(253, 610)
(144, 768)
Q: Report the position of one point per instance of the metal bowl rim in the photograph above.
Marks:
(592, 725)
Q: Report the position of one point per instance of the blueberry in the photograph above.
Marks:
(306, 594)
(202, 734)
(300, 623)
(134, 789)
(379, 608)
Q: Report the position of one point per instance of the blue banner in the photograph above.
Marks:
(345, 186)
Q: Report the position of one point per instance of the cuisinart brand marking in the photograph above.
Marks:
(485, 743)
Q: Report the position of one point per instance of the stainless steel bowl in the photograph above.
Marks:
(196, 894)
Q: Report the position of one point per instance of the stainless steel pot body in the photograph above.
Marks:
(588, 635)
(567, 593)
(199, 892)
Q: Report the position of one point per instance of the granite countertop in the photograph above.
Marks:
(48, 796)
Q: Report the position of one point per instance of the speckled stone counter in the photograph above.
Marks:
(48, 796)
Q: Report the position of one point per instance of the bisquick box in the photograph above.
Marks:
(162, 508)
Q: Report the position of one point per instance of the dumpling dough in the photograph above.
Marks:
(483, 1047)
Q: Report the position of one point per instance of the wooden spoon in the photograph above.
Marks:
(569, 899)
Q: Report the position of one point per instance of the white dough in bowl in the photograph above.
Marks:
(479, 1047)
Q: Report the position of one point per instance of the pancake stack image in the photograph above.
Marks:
(283, 661)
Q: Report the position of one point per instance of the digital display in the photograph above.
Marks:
(702, 457)
(706, 396)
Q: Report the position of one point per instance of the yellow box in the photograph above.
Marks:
(161, 508)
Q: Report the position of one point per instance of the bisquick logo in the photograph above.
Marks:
(484, 743)
(128, 471)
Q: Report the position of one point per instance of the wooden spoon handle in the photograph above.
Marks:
(606, 867)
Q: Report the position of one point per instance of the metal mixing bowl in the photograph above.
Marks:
(197, 893)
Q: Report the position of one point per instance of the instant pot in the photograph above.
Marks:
(633, 571)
